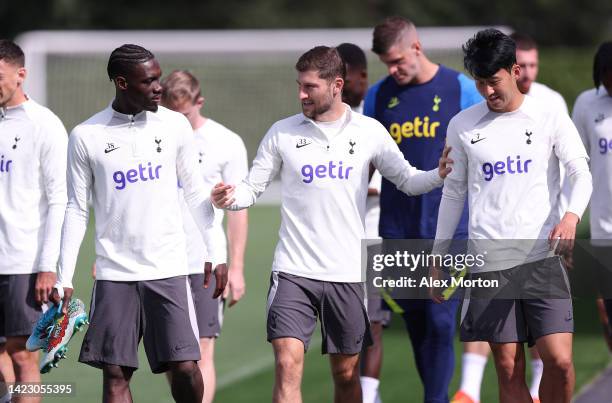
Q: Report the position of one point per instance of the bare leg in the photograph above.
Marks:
(187, 385)
(510, 366)
(558, 378)
(345, 371)
(371, 364)
(207, 367)
(7, 375)
(116, 384)
(371, 357)
(289, 364)
(25, 365)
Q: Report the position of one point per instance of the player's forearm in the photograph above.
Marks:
(392, 165)
(73, 231)
(52, 236)
(449, 215)
(581, 186)
(422, 182)
(237, 230)
(204, 214)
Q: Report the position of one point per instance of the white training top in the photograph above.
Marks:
(551, 98)
(32, 188)
(548, 96)
(372, 216)
(221, 156)
(324, 182)
(508, 165)
(130, 165)
(593, 118)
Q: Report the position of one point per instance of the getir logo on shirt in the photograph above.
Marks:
(605, 145)
(5, 164)
(331, 170)
(413, 128)
(142, 174)
(509, 166)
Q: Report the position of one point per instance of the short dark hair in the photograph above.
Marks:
(125, 57)
(353, 55)
(602, 62)
(487, 52)
(523, 41)
(388, 32)
(325, 60)
(11, 53)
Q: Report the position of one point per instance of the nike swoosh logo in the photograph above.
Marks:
(302, 145)
(112, 149)
(476, 141)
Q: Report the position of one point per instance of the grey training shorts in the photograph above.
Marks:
(533, 300)
(295, 303)
(123, 312)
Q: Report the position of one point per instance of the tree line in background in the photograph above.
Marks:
(551, 22)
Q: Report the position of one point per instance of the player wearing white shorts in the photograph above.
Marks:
(323, 157)
(475, 354)
(127, 159)
(32, 204)
(221, 156)
(506, 154)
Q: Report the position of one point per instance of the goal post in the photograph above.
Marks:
(247, 76)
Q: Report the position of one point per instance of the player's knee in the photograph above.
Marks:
(562, 365)
(345, 374)
(508, 370)
(288, 367)
(116, 378)
(184, 369)
(23, 359)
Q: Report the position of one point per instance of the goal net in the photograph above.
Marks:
(247, 76)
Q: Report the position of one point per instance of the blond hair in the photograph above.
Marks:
(180, 86)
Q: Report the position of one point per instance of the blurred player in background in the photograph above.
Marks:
(32, 205)
(415, 102)
(221, 156)
(592, 115)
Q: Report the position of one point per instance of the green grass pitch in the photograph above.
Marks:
(244, 358)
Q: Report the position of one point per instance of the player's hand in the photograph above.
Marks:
(444, 163)
(222, 195)
(220, 277)
(236, 284)
(43, 287)
(435, 293)
(565, 233)
(55, 298)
